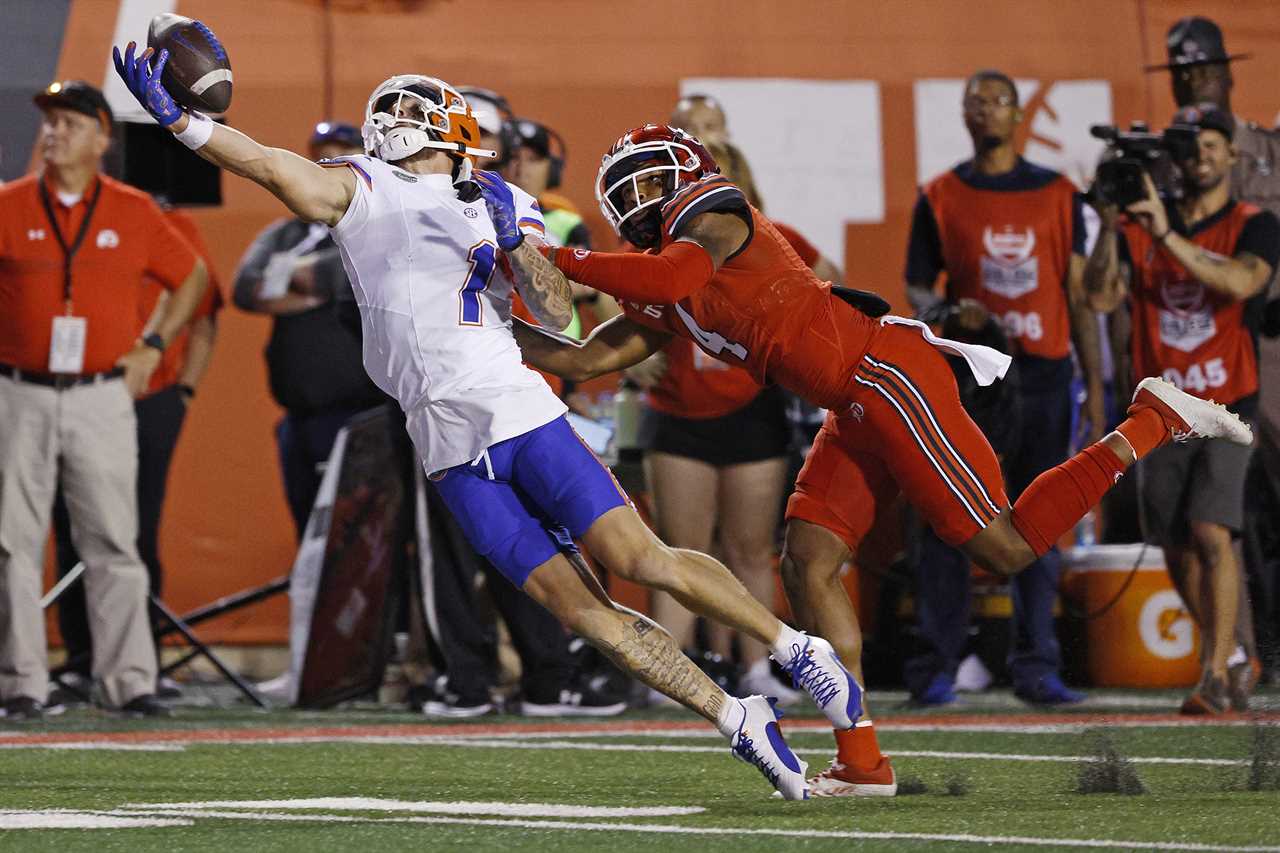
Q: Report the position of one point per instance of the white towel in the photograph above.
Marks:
(986, 364)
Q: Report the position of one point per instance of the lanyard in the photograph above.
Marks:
(68, 252)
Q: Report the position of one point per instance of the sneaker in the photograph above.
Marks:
(815, 668)
(146, 705)
(1187, 416)
(1209, 699)
(940, 691)
(279, 688)
(759, 679)
(1049, 690)
(167, 688)
(574, 703)
(1241, 679)
(841, 780)
(71, 690)
(439, 701)
(759, 742)
(23, 709)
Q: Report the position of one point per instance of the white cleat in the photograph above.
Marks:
(759, 742)
(815, 668)
(1188, 416)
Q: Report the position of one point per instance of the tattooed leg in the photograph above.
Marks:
(634, 643)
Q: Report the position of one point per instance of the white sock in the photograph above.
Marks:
(787, 637)
(731, 716)
(1237, 657)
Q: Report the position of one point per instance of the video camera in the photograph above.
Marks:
(1136, 151)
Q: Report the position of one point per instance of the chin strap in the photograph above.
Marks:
(401, 142)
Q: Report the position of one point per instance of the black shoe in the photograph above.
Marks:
(71, 690)
(583, 702)
(437, 700)
(146, 705)
(167, 688)
(23, 709)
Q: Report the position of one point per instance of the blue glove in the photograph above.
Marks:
(502, 209)
(144, 82)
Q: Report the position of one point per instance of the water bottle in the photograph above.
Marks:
(1086, 531)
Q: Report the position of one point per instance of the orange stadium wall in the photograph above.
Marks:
(880, 80)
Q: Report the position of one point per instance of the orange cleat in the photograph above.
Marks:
(841, 780)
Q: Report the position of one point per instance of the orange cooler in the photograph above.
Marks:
(1147, 638)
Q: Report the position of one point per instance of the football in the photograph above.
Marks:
(198, 74)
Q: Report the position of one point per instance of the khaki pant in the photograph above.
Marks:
(87, 435)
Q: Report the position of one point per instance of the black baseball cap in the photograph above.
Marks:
(1195, 41)
(534, 136)
(79, 96)
(336, 131)
(1207, 117)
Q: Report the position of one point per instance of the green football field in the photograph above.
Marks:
(989, 773)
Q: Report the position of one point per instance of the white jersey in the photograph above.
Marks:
(435, 309)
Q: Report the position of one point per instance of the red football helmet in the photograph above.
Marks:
(653, 149)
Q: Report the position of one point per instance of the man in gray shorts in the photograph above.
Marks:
(1188, 267)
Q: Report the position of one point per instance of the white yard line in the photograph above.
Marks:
(662, 829)
(503, 743)
(71, 819)
(99, 745)
(369, 804)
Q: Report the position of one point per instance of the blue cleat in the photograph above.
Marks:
(759, 742)
(941, 691)
(1049, 690)
(816, 669)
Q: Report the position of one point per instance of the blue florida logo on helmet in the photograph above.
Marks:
(639, 154)
(410, 112)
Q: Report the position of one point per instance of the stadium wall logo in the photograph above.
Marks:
(1165, 626)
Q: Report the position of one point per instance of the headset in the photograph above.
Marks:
(507, 132)
(544, 140)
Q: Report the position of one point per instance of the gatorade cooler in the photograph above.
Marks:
(1146, 638)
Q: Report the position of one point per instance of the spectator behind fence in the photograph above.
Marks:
(314, 365)
(75, 247)
(160, 414)
(1189, 267)
(1200, 72)
(1010, 237)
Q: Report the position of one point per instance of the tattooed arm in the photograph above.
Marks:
(1239, 277)
(542, 286)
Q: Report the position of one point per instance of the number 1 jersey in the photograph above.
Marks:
(435, 311)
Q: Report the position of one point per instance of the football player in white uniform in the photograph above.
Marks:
(427, 243)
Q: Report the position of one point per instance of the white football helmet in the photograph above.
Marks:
(410, 112)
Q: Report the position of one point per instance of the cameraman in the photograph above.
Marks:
(1199, 69)
(1188, 267)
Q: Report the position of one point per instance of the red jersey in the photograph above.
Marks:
(1193, 336)
(697, 386)
(169, 370)
(1005, 241)
(127, 239)
(764, 310)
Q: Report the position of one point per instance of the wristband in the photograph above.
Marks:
(198, 130)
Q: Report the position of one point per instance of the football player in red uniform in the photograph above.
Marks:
(718, 273)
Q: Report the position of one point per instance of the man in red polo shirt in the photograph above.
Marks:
(75, 247)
